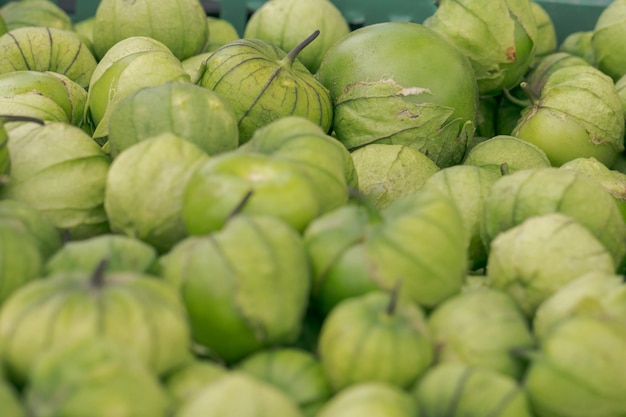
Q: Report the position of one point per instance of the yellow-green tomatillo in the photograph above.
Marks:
(401, 83)
(46, 95)
(95, 378)
(296, 372)
(579, 370)
(376, 337)
(371, 399)
(457, 390)
(467, 186)
(419, 238)
(609, 34)
(41, 13)
(186, 381)
(286, 22)
(237, 395)
(264, 83)
(179, 24)
(504, 154)
(245, 287)
(480, 328)
(144, 189)
(579, 43)
(189, 111)
(532, 260)
(128, 66)
(531, 192)
(387, 172)
(579, 114)
(59, 170)
(590, 294)
(499, 40)
(47, 49)
(138, 313)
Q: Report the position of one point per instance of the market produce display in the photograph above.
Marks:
(309, 217)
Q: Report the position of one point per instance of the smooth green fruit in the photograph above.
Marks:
(579, 114)
(401, 83)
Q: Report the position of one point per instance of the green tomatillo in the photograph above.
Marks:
(499, 40)
(286, 22)
(95, 378)
(371, 399)
(245, 287)
(143, 315)
(178, 24)
(376, 337)
(264, 83)
(456, 390)
(290, 169)
(419, 238)
(401, 83)
(578, 114)
(47, 49)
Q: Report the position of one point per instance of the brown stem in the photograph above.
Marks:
(5, 118)
(529, 92)
(291, 56)
(97, 278)
(241, 204)
(393, 300)
(504, 169)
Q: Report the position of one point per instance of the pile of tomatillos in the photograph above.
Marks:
(309, 219)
